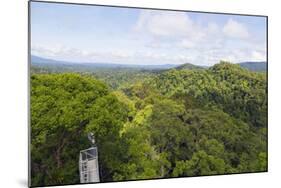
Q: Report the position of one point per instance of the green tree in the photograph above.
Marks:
(60, 109)
(107, 117)
(200, 164)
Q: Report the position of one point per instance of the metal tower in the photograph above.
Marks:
(88, 163)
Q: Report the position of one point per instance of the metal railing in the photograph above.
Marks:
(88, 165)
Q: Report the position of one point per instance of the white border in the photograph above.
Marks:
(13, 99)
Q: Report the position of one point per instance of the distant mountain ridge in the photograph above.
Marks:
(45, 62)
(89, 66)
(254, 66)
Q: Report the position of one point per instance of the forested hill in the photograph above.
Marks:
(252, 66)
(117, 75)
(170, 124)
(189, 66)
(225, 85)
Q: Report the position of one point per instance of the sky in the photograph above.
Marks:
(81, 33)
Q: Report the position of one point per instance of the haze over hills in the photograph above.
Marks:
(45, 62)
(93, 66)
(255, 66)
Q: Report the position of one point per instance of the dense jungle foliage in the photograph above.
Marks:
(172, 123)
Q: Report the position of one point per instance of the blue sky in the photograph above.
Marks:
(81, 33)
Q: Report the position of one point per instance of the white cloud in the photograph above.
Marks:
(187, 43)
(204, 44)
(258, 56)
(204, 55)
(169, 29)
(213, 28)
(170, 37)
(60, 52)
(164, 24)
(235, 29)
